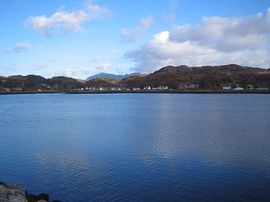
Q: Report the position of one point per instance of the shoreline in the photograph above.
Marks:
(143, 92)
(30, 92)
(174, 92)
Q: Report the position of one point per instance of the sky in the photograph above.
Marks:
(79, 38)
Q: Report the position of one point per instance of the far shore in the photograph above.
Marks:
(145, 92)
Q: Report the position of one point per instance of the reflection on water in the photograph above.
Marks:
(137, 147)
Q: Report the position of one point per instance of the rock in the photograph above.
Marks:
(13, 193)
(16, 193)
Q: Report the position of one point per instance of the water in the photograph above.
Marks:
(137, 147)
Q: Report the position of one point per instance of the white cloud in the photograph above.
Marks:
(216, 40)
(66, 21)
(129, 35)
(226, 33)
(19, 47)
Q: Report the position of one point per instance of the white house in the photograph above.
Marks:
(238, 88)
(226, 88)
(147, 88)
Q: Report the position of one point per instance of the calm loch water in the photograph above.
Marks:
(137, 147)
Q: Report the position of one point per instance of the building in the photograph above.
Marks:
(161, 88)
(188, 86)
(250, 87)
(226, 88)
(147, 88)
(5, 89)
(238, 88)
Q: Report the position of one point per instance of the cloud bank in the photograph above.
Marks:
(63, 21)
(215, 40)
(130, 35)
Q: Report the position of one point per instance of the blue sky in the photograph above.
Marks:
(79, 38)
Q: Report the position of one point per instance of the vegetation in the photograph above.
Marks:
(206, 77)
(38, 83)
(180, 77)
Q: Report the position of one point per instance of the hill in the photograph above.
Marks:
(102, 82)
(205, 77)
(35, 83)
(169, 77)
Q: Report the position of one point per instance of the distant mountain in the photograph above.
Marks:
(107, 76)
(112, 76)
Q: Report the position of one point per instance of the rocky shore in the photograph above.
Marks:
(16, 193)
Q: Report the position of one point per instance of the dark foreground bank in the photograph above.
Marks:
(16, 193)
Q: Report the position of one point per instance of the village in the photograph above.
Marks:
(227, 78)
(181, 87)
